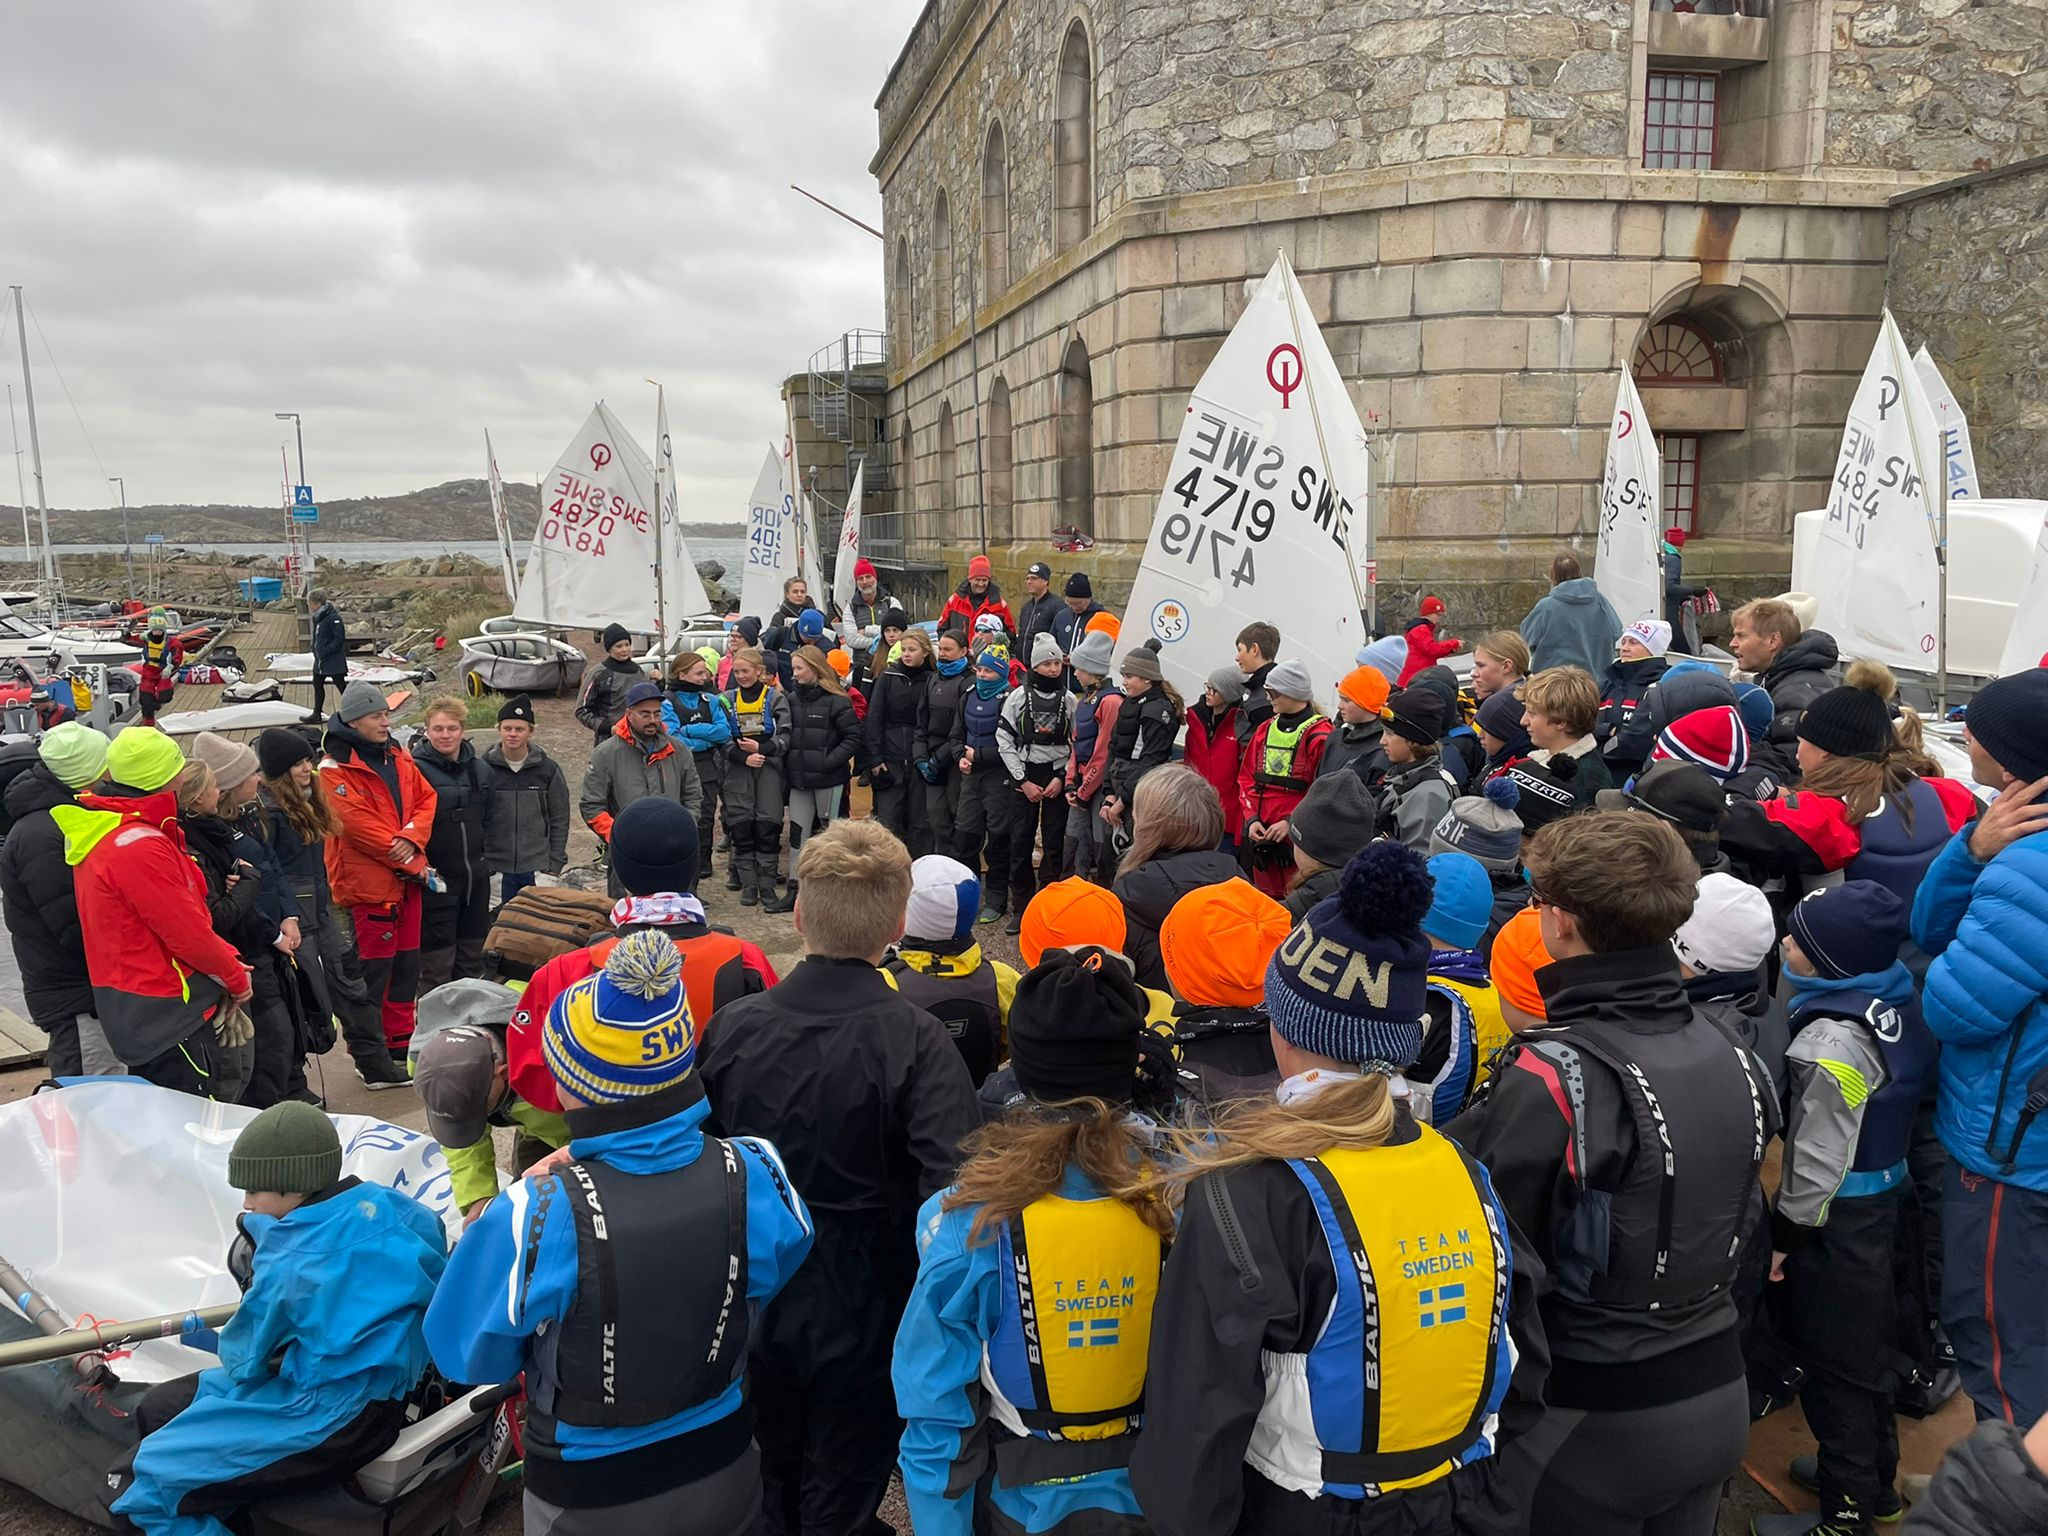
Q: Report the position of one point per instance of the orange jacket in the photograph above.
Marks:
(359, 867)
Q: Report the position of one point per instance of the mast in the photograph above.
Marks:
(661, 492)
(35, 442)
(28, 550)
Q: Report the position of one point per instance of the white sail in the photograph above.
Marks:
(849, 542)
(1882, 596)
(814, 575)
(593, 549)
(1630, 568)
(1255, 521)
(2026, 644)
(771, 541)
(1959, 459)
(501, 520)
(683, 589)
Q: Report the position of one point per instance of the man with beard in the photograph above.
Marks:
(637, 760)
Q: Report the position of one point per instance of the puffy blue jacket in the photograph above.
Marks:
(701, 735)
(514, 1272)
(1986, 1000)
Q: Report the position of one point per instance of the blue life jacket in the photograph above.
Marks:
(1909, 1050)
(1085, 726)
(1894, 855)
(979, 717)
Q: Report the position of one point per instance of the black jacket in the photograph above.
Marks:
(1311, 889)
(1358, 748)
(302, 865)
(41, 908)
(330, 643)
(528, 825)
(241, 914)
(1142, 741)
(1800, 675)
(1626, 729)
(938, 713)
(890, 731)
(463, 790)
(1148, 894)
(1038, 616)
(824, 738)
(603, 703)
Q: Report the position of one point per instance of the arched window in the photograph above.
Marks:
(942, 265)
(1678, 352)
(948, 486)
(1077, 440)
(1002, 461)
(995, 212)
(1073, 142)
(905, 480)
(905, 320)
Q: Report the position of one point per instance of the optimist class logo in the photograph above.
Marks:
(600, 455)
(1170, 621)
(1628, 424)
(1284, 380)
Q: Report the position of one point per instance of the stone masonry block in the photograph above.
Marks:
(1456, 344)
(1146, 264)
(1832, 289)
(1834, 234)
(1374, 293)
(1611, 287)
(1539, 399)
(1492, 227)
(1467, 286)
(1581, 229)
(1562, 453)
(1348, 240)
(1461, 457)
(1541, 286)
(1192, 311)
(1393, 347)
(1408, 234)
(1211, 255)
(1447, 400)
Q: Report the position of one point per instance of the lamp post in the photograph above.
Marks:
(127, 547)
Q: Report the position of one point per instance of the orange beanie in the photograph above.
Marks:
(1103, 624)
(1217, 942)
(841, 660)
(1068, 913)
(1518, 954)
(1366, 687)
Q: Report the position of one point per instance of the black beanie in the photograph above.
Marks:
(518, 707)
(1074, 1027)
(1847, 722)
(278, 750)
(2009, 719)
(1078, 585)
(613, 634)
(1852, 929)
(654, 847)
(1417, 715)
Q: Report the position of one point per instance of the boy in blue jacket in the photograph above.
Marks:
(1859, 1061)
(637, 1419)
(701, 718)
(315, 1367)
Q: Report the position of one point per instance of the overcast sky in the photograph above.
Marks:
(414, 222)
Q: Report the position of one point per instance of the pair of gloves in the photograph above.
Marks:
(928, 771)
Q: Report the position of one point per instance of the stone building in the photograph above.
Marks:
(1493, 205)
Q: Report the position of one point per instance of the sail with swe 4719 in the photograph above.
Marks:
(1255, 522)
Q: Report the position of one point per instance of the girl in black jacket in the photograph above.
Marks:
(824, 739)
(1145, 729)
(937, 714)
(891, 739)
(454, 921)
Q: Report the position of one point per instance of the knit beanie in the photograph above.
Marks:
(1731, 929)
(1415, 714)
(1094, 653)
(840, 660)
(1484, 826)
(1108, 624)
(1545, 790)
(1714, 739)
(289, 1149)
(1442, 682)
(1653, 635)
(1229, 685)
(1853, 929)
(654, 847)
(1350, 983)
(144, 759)
(1463, 904)
(279, 750)
(1218, 940)
(612, 635)
(1432, 607)
(863, 567)
(748, 629)
(1074, 1027)
(1386, 656)
(1500, 716)
(810, 625)
(1757, 709)
(1518, 954)
(625, 1032)
(520, 707)
(1044, 648)
(359, 699)
(75, 753)
(1367, 687)
(1078, 585)
(978, 568)
(230, 761)
(1069, 914)
(2008, 717)
(945, 898)
(1847, 722)
(1290, 680)
(893, 618)
(1337, 817)
(1143, 662)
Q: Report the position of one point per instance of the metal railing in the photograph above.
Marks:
(846, 415)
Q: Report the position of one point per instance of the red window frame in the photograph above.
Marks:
(1669, 142)
(1680, 452)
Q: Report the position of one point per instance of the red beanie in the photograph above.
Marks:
(978, 568)
(1432, 605)
(863, 567)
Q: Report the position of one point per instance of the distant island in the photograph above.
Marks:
(457, 511)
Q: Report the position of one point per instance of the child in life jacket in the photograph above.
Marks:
(1217, 731)
(752, 787)
(1355, 744)
(1463, 1029)
(1035, 736)
(1860, 1058)
(1504, 732)
(1287, 1394)
(1216, 944)
(701, 718)
(1096, 707)
(1145, 728)
(938, 965)
(1280, 763)
(1023, 1349)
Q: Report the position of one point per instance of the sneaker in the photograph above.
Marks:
(382, 1073)
(1812, 1523)
(1806, 1473)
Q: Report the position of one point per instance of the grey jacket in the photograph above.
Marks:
(1824, 1123)
(529, 825)
(1986, 1483)
(1415, 799)
(1010, 744)
(621, 773)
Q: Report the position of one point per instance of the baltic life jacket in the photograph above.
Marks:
(1041, 727)
(703, 958)
(1896, 856)
(661, 1319)
(1404, 1381)
(1065, 1367)
(1085, 724)
(978, 723)
(1477, 1034)
(1668, 1227)
(967, 1003)
(755, 716)
(157, 653)
(1909, 1050)
(1275, 769)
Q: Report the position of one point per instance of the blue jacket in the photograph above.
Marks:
(701, 736)
(515, 1270)
(951, 1317)
(1984, 1000)
(330, 642)
(1572, 627)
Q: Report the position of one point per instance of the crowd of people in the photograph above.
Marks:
(1376, 1135)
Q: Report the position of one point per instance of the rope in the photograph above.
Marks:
(61, 384)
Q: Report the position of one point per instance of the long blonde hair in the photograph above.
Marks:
(1357, 1113)
(1022, 1158)
(1863, 784)
(822, 672)
(1173, 810)
(193, 780)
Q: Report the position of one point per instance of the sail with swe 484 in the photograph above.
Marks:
(1255, 522)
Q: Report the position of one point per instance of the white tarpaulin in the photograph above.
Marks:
(297, 667)
(849, 542)
(117, 1204)
(233, 717)
(501, 520)
(1629, 570)
(1958, 458)
(2026, 644)
(1254, 523)
(771, 541)
(1881, 596)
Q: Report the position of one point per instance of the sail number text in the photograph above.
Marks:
(583, 514)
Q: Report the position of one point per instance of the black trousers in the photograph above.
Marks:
(900, 806)
(186, 1066)
(280, 1063)
(988, 803)
(453, 928)
(1047, 821)
(320, 682)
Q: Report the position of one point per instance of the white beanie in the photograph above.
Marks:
(945, 898)
(1289, 679)
(1654, 635)
(1731, 928)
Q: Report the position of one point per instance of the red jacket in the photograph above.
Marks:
(158, 669)
(1425, 650)
(1216, 755)
(1085, 779)
(1267, 803)
(966, 607)
(157, 967)
(359, 868)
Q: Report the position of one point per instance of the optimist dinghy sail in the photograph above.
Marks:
(501, 520)
(849, 543)
(1958, 458)
(1255, 522)
(771, 540)
(1630, 569)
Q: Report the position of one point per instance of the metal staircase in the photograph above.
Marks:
(848, 382)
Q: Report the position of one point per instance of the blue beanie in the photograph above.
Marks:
(810, 624)
(1351, 982)
(1852, 929)
(1756, 708)
(1464, 900)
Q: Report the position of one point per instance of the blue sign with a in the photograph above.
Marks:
(302, 496)
(152, 538)
(305, 512)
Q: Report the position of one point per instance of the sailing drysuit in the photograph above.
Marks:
(753, 796)
(702, 720)
(952, 980)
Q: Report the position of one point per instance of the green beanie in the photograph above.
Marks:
(144, 758)
(289, 1149)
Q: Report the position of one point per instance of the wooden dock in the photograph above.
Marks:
(266, 630)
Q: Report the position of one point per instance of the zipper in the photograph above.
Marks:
(1224, 1212)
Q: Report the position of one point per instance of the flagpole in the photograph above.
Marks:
(660, 509)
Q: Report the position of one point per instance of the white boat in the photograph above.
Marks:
(22, 639)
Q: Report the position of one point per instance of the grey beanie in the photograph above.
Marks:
(1094, 653)
(1289, 679)
(1483, 825)
(1229, 685)
(289, 1149)
(1335, 819)
(360, 699)
(1044, 648)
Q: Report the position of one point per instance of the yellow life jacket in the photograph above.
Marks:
(754, 717)
(1276, 762)
(1489, 1030)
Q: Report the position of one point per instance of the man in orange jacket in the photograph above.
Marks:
(377, 866)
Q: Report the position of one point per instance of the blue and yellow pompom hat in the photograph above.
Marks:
(625, 1032)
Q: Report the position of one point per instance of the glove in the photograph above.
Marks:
(928, 771)
(232, 1027)
(881, 775)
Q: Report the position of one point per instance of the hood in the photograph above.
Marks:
(1814, 651)
(1640, 986)
(1580, 592)
(1458, 965)
(535, 753)
(1683, 690)
(658, 1146)
(1810, 994)
(947, 964)
(35, 788)
(88, 820)
(1741, 990)
(352, 743)
(1442, 682)
(1152, 888)
(624, 731)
